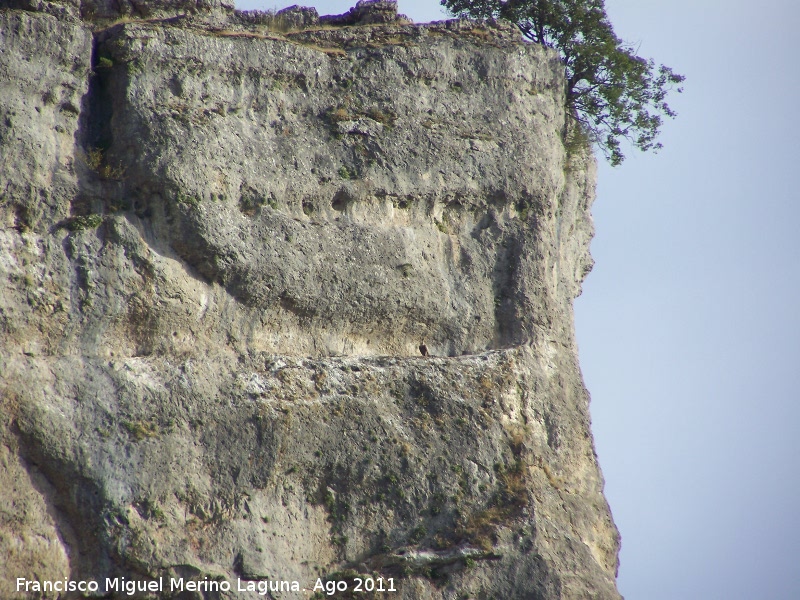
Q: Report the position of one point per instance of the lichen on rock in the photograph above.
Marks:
(224, 241)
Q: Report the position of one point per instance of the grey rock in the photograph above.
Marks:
(62, 9)
(110, 10)
(44, 78)
(291, 18)
(221, 247)
(298, 17)
(367, 12)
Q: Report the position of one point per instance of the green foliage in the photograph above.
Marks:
(95, 159)
(251, 201)
(612, 94)
(384, 117)
(105, 63)
(339, 114)
(187, 199)
(140, 430)
(417, 534)
(91, 221)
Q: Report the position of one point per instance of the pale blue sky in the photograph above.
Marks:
(688, 326)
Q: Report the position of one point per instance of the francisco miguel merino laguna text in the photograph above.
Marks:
(132, 586)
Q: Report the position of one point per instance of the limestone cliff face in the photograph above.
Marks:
(221, 247)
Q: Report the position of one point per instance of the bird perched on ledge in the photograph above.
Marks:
(423, 349)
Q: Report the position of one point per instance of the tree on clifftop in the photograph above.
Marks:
(612, 94)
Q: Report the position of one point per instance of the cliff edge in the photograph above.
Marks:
(224, 237)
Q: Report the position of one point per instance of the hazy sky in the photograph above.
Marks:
(689, 328)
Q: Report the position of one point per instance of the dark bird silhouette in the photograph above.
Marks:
(423, 349)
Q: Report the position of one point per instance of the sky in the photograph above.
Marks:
(688, 326)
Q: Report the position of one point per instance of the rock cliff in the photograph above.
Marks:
(224, 236)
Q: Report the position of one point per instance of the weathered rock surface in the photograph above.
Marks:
(221, 246)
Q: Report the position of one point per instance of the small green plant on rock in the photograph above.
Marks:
(140, 430)
(187, 199)
(95, 159)
(340, 114)
(83, 222)
(250, 203)
(383, 117)
(417, 534)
